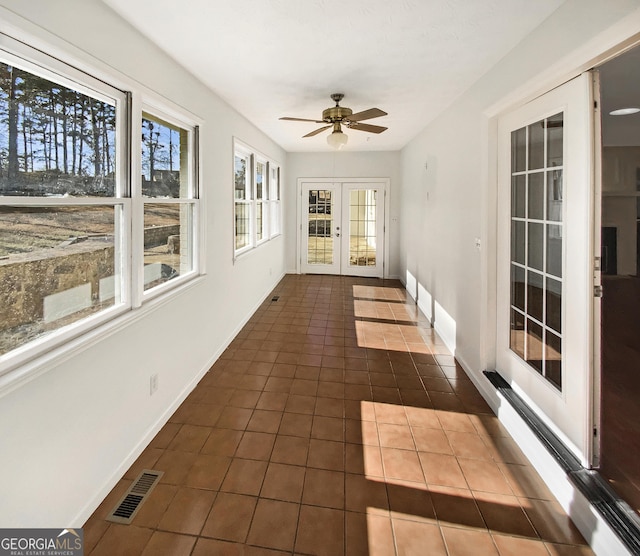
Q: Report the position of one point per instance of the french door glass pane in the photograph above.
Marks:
(320, 233)
(362, 227)
(518, 196)
(536, 196)
(536, 246)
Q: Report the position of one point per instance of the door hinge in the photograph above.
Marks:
(596, 263)
(595, 431)
(597, 291)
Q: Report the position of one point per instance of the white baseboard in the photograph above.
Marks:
(597, 532)
(108, 485)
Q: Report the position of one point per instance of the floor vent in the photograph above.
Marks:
(126, 509)
(275, 298)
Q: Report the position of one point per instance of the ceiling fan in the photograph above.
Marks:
(336, 116)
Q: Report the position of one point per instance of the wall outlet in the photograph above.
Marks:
(153, 383)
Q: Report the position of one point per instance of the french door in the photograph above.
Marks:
(342, 228)
(545, 259)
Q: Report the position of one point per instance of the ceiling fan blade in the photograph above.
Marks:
(302, 120)
(367, 127)
(366, 115)
(317, 131)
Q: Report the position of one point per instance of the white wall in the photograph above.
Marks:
(446, 206)
(69, 434)
(343, 164)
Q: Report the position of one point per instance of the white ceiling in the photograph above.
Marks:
(273, 58)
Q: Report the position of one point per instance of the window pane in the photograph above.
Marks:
(242, 223)
(54, 141)
(554, 304)
(554, 195)
(165, 159)
(517, 287)
(517, 241)
(274, 183)
(533, 345)
(58, 265)
(168, 242)
(553, 359)
(260, 175)
(362, 227)
(536, 196)
(535, 295)
(516, 342)
(535, 245)
(518, 196)
(536, 145)
(554, 250)
(518, 150)
(554, 140)
(240, 171)
(320, 234)
(259, 221)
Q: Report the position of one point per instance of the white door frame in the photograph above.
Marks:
(380, 183)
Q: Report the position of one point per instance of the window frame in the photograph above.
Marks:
(193, 198)
(254, 158)
(92, 78)
(240, 151)
(274, 202)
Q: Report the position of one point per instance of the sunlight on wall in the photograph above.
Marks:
(411, 285)
(425, 302)
(445, 326)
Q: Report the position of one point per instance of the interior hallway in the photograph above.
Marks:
(336, 423)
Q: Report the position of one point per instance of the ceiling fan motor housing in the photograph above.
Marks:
(336, 114)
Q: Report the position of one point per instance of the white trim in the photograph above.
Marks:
(598, 533)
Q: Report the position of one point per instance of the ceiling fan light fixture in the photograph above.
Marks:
(337, 139)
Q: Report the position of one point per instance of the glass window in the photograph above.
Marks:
(537, 246)
(62, 224)
(66, 214)
(256, 198)
(242, 196)
(274, 199)
(170, 200)
(262, 219)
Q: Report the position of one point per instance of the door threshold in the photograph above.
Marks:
(617, 513)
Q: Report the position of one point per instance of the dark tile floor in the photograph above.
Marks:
(336, 423)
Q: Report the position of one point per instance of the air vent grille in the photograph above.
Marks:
(126, 509)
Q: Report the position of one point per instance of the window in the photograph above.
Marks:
(170, 200)
(536, 246)
(62, 203)
(69, 215)
(262, 219)
(243, 206)
(274, 199)
(256, 199)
